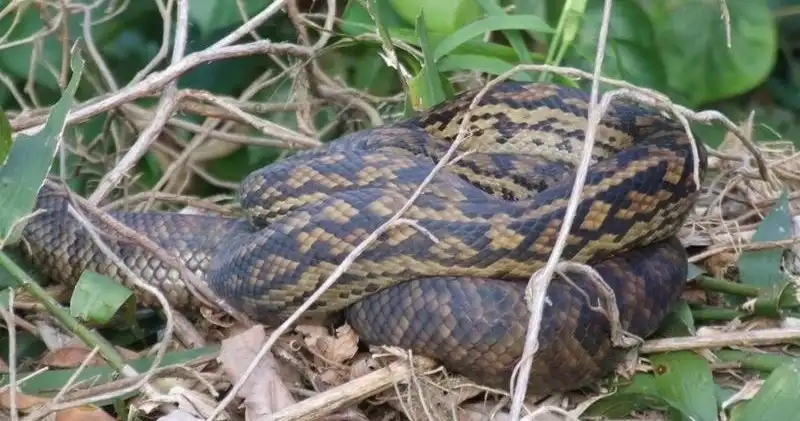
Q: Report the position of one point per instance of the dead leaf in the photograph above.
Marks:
(72, 356)
(24, 401)
(179, 416)
(84, 413)
(333, 349)
(264, 391)
(363, 366)
(27, 403)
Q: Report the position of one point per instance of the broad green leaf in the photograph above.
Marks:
(762, 267)
(442, 15)
(777, 398)
(631, 53)
(97, 298)
(210, 16)
(685, 381)
(491, 23)
(5, 137)
(691, 38)
(30, 160)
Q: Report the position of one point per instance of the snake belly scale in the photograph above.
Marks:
(451, 285)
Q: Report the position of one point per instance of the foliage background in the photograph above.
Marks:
(676, 47)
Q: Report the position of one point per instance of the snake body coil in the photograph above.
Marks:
(451, 284)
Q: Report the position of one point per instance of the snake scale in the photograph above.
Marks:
(450, 282)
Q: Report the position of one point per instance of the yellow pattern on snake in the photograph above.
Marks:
(450, 285)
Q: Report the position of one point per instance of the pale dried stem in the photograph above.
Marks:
(159, 80)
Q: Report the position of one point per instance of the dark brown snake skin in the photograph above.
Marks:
(455, 291)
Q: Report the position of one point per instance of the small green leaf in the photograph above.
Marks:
(639, 394)
(694, 271)
(30, 160)
(777, 398)
(679, 322)
(685, 381)
(763, 267)
(5, 137)
(491, 23)
(97, 298)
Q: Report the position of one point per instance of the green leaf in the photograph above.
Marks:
(97, 298)
(409, 36)
(569, 24)
(685, 381)
(356, 19)
(20, 61)
(514, 36)
(5, 137)
(210, 16)
(30, 160)
(492, 23)
(756, 360)
(443, 15)
(490, 65)
(777, 398)
(678, 322)
(632, 51)
(429, 84)
(694, 271)
(763, 267)
(691, 38)
(639, 394)
(51, 381)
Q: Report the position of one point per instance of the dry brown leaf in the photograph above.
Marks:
(27, 403)
(24, 401)
(332, 377)
(84, 413)
(179, 416)
(72, 356)
(363, 366)
(334, 349)
(264, 391)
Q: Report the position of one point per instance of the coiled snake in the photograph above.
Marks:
(483, 226)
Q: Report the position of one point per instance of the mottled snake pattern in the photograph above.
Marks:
(450, 285)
